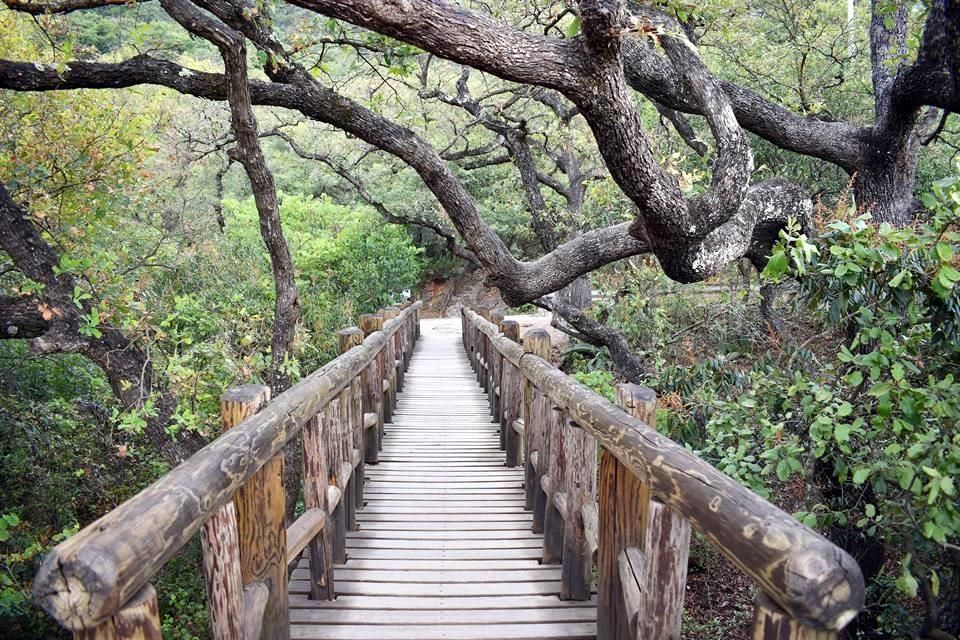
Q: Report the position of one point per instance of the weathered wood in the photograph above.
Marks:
(770, 622)
(664, 577)
(815, 581)
(553, 525)
(622, 513)
(88, 577)
(629, 565)
(138, 619)
(511, 398)
(255, 597)
(591, 525)
(332, 430)
(536, 342)
(221, 569)
(303, 530)
(371, 380)
(542, 417)
(356, 446)
(580, 469)
(261, 522)
(369, 323)
(315, 496)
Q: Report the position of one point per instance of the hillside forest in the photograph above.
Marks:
(750, 206)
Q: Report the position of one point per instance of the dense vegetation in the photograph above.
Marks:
(828, 382)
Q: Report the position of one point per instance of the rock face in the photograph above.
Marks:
(442, 297)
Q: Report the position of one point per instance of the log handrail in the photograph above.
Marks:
(815, 582)
(92, 576)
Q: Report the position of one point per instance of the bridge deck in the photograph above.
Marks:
(444, 548)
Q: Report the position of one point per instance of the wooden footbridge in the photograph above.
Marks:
(456, 486)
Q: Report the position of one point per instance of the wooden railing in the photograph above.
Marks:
(635, 512)
(231, 492)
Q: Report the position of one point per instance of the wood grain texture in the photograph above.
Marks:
(622, 512)
(84, 580)
(138, 619)
(770, 622)
(316, 479)
(537, 343)
(580, 472)
(815, 581)
(664, 576)
(261, 521)
(221, 570)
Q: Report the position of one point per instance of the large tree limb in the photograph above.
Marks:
(60, 6)
(631, 366)
(23, 317)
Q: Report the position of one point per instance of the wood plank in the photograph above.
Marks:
(436, 588)
(571, 631)
(444, 547)
(442, 616)
(393, 603)
(430, 576)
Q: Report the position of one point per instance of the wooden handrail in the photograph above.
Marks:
(90, 577)
(815, 582)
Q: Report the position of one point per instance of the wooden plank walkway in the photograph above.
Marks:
(444, 548)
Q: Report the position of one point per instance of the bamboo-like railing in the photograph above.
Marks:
(231, 492)
(636, 511)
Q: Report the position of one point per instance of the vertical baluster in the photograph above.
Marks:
(580, 452)
(261, 522)
(316, 482)
(496, 374)
(553, 483)
(511, 397)
(330, 420)
(221, 569)
(348, 339)
(536, 342)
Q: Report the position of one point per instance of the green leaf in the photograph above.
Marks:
(574, 27)
(860, 475)
(944, 251)
(777, 264)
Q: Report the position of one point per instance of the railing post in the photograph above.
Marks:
(139, 619)
(347, 339)
(496, 370)
(332, 430)
(623, 501)
(511, 397)
(261, 524)
(580, 450)
(371, 396)
(537, 342)
(316, 482)
(553, 475)
(221, 569)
